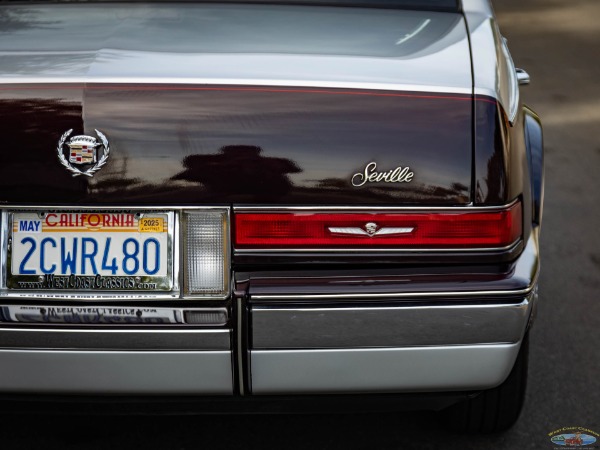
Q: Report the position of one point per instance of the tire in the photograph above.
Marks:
(493, 410)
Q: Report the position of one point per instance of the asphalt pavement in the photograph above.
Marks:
(558, 43)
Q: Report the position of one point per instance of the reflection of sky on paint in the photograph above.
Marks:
(219, 29)
(235, 42)
(327, 136)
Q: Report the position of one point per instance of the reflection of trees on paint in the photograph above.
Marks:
(242, 170)
(117, 179)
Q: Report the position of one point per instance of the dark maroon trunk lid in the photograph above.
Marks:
(243, 145)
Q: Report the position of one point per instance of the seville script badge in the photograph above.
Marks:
(83, 151)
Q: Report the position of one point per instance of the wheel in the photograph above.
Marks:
(496, 409)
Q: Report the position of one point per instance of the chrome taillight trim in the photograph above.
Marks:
(374, 251)
(382, 209)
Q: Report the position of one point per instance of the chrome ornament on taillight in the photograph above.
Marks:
(371, 229)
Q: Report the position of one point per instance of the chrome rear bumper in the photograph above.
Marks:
(384, 349)
(115, 361)
(274, 343)
(290, 350)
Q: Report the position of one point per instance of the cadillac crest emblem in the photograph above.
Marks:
(83, 151)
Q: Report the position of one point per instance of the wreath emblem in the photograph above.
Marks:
(83, 151)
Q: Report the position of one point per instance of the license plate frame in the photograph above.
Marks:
(66, 285)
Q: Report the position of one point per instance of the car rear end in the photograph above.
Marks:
(248, 200)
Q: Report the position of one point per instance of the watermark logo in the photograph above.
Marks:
(574, 437)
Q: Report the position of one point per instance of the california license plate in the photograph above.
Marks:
(111, 251)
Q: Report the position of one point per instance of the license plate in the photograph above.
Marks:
(103, 251)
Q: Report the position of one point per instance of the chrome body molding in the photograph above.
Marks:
(303, 327)
(116, 372)
(393, 295)
(139, 80)
(379, 209)
(398, 251)
(119, 315)
(406, 50)
(494, 73)
(115, 339)
(372, 370)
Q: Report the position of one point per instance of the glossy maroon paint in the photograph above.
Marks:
(241, 145)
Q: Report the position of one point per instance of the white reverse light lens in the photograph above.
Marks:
(206, 253)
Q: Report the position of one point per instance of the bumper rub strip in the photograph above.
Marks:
(418, 369)
(401, 326)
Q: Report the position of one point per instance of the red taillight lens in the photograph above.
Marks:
(320, 230)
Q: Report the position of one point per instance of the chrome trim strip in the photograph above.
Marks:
(119, 372)
(399, 251)
(359, 209)
(431, 294)
(485, 92)
(249, 82)
(414, 369)
(115, 339)
(70, 315)
(4, 227)
(240, 347)
(397, 326)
